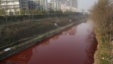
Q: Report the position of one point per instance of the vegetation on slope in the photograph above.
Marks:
(102, 15)
(17, 32)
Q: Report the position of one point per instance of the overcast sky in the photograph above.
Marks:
(86, 4)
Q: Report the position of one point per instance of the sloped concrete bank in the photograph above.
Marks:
(20, 47)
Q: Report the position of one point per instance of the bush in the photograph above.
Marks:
(102, 15)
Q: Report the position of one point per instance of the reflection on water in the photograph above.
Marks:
(74, 46)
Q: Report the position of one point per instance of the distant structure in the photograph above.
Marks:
(11, 7)
(64, 5)
(14, 7)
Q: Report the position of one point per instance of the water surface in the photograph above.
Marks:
(73, 46)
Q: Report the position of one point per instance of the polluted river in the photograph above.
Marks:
(75, 45)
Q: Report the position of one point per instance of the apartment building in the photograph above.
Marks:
(71, 5)
(12, 7)
(64, 5)
(37, 4)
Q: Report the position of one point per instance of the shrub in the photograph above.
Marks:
(102, 15)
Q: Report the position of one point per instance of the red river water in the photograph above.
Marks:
(76, 45)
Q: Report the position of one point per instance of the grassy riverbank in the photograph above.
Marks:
(17, 32)
(46, 29)
(102, 15)
(35, 40)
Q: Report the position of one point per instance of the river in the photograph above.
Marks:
(76, 45)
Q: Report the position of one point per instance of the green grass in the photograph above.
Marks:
(104, 61)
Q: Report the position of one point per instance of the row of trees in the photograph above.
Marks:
(4, 12)
(34, 12)
(21, 12)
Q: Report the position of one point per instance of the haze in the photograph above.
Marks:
(86, 4)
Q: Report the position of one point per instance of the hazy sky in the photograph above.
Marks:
(85, 4)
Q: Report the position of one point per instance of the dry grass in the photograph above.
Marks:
(102, 15)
